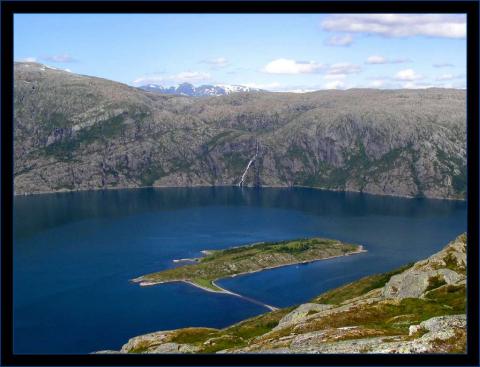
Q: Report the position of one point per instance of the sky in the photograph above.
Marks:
(277, 52)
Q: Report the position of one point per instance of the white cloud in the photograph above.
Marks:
(219, 62)
(301, 90)
(334, 76)
(415, 85)
(335, 84)
(377, 59)
(278, 87)
(447, 76)
(339, 40)
(443, 65)
(377, 83)
(399, 25)
(191, 76)
(183, 77)
(28, 59)
(343, 68)
(286, 66)
(59, 58)
(407, 75)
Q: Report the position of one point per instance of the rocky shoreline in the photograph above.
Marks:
(417, 309)
(144, 283)
(260, 187)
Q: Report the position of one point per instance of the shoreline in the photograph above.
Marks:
(143, 283)
(221, 291)
(214, 186)
(360, 250)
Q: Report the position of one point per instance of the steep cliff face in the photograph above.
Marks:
(76, 132)
(417, 309)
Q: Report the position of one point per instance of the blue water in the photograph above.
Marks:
(74, 254)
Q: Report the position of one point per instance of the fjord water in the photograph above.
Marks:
(74, 254)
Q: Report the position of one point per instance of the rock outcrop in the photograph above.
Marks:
(74, 132)
(417, 309)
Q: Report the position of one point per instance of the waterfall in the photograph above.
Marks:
(240, 184)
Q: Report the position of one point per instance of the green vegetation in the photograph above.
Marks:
(235, 162)
(151, 174)
(56, 120)
(212, 340)
(358, 167)
(298, 152)
(64, 149)
(349, 318)
(358, 288)
(435, 282)
(222, 137)
(452, 264)
(206, 283)
(250, 258)
(459, 181)
(383, 315)
(459, 177)
(455, 344)
(240, 334)
(415, 156)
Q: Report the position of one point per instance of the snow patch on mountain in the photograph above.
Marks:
(187, 89)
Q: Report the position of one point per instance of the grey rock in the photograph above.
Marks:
(74, 132)
(414, 283)
(301, 313)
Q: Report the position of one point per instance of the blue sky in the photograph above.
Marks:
(279, 52)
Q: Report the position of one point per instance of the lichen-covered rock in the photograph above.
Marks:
(173, 348)
(415, 282)
(143, 342)
(300, 313)
(445, 267)
(443, 334)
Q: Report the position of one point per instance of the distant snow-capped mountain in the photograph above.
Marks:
(187, 89)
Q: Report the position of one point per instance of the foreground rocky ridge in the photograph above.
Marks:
(417, 309)
(74, 132)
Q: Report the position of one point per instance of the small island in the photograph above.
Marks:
(217, 264)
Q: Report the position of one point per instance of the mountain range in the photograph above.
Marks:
(187, 89)
(75, 132)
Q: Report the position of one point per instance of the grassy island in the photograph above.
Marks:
(234, 261)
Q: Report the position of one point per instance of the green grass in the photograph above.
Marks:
(381, 315)
(381, 318)
(233, 261)
(212, 340)
(193, 335)
(435, 282)
(358, 288)
(206, 283)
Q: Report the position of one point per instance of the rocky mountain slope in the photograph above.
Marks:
(74, 132)
(417, 309)
(187, 89)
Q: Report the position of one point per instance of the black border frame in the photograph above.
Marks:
(9, 8)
